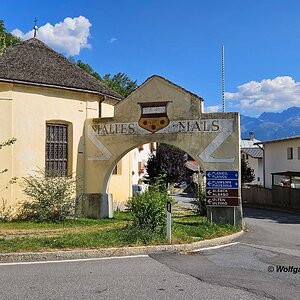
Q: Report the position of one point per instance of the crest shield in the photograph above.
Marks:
(154, 116)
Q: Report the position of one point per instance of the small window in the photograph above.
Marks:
(57, 149)
(290, 153)
(298, 152)
(118, 169)
(115, 170)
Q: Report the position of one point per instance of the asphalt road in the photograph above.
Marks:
(273, 240)
(238, 271)
(183, 200)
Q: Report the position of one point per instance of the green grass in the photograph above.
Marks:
(89, 233)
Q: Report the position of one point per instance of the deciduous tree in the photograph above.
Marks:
(168, 161)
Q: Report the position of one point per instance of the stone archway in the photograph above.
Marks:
(159, 111)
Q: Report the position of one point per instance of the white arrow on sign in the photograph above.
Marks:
(206, 154)
(106, 155)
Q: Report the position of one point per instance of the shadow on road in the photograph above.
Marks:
(277, 216)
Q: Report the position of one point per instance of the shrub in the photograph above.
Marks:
(52, 197)
(6, 211)
(199, 201)
(149, 209)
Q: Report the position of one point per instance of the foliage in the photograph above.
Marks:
(247, 174)
(199, 201)
(88, 69)
(52, 197)
(168, 161)
(6, 39)
(6, 211)
(149, 209)
(119, 82)
(3, 144)
(7, 143)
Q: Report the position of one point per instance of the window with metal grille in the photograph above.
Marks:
(57, 149)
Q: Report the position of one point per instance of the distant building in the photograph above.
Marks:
(253, 154)
(282, 162)
(140, 157)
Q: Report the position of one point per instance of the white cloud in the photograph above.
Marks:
(112, 40)
(211, 109)
(69, 36)
(268, 95)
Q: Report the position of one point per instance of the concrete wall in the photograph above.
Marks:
(276, 158)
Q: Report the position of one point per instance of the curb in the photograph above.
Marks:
(110, 252)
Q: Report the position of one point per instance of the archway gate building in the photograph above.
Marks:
(160, 111)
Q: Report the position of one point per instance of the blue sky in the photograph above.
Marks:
(180, 40)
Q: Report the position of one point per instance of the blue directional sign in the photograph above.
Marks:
(222, 174)
(222, 184)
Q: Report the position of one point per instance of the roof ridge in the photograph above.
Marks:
(176, 85)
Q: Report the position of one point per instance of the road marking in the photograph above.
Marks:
(71, 260)
(215, 247)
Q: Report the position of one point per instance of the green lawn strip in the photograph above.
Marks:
(71, 223)
(186, 228)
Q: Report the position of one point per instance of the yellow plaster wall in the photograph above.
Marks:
(31, 108)
(120, 184)
(27, 109)
(6, 117)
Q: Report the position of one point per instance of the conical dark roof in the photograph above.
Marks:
(33, 62)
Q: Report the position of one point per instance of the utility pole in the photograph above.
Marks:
(223, 81)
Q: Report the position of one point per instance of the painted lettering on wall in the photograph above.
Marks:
(182, 126)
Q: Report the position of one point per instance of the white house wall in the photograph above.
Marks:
(276, 158)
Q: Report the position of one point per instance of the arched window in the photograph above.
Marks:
(57, 149)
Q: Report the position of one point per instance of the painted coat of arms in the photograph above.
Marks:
(154, 115)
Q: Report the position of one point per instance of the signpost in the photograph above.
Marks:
(222, 188)
(169, 221)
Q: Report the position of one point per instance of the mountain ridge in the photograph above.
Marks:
(272, 125)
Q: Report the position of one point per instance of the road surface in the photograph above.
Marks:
(239, 271)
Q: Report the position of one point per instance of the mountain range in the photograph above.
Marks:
(270, 125)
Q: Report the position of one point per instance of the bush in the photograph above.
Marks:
(199, 201)
(53, 198)
(149, 209)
